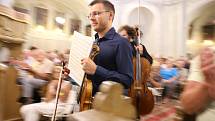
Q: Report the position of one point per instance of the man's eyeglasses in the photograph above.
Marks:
(96, 13)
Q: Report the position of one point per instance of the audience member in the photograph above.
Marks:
(182, 71)
(52, 56)
(169, 77)
(163, 62)
(198, 96)
(155, 79)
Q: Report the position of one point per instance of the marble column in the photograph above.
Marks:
(50, 21)
(181, 31)
(174, 29)
(67, 24)
(197, 33)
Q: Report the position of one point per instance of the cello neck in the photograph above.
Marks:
(138, 63)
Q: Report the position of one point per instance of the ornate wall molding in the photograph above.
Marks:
(12, 25)
(12, 14)
(7, 39)
(171, 2)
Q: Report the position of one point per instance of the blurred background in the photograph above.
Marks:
(172, 29)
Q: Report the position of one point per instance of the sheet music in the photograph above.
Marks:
(80, 48)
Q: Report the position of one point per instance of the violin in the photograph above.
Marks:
(85, 95)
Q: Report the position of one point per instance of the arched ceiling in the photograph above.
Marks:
(206, 14)
(78, 7)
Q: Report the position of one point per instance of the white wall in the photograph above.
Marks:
(127, 13)
(165, 22)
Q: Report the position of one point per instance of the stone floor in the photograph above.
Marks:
(163, 112)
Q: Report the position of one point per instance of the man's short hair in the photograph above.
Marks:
(107, 4)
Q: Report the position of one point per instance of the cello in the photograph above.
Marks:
(85, 96)
(142, 97)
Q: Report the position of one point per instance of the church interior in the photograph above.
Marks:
(173, 32)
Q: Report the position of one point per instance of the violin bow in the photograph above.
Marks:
(58, 91)
(138, 65)
(138, 41)
(138, 76)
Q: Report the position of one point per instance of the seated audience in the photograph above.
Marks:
(182, 72)
(34, 72)
(32, 112)
(52, 56)
(162, 62)
(154, 83)
(155, 79)
(169, 76)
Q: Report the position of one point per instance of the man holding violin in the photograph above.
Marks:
(114, 61)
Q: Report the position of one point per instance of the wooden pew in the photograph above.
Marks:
(13, 26)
